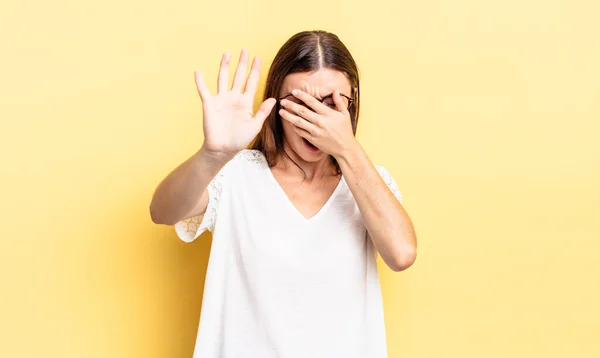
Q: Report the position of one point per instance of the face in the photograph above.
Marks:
(318, 84)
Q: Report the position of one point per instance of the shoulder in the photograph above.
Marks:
(245, 164)
(383, 172)
(240, 162)
(245, 158)
(389, 181)
(245, 161)
(250, 156)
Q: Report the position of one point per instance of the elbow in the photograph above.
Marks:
(158, 216)
(155, 216)
(403, 259)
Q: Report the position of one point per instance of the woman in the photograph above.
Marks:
(297, 219)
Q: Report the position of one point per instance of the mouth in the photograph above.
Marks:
(310, 146)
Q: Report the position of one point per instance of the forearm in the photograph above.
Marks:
(388, 224)
(181, 191)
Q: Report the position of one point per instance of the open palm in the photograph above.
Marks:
(229, 120)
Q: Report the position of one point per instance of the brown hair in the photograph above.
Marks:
(304, 52)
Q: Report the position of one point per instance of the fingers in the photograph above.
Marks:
(201, 86)
(254, 76)
(298, 121)
(301, 111)
(223, 80)
(310, 101)
(302, 133)
(240, 73)
(263, 111)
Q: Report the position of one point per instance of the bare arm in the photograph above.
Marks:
(182, 194)
(387, 222)
(229, 125)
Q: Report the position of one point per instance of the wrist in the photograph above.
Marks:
(349, 152)
(212, 158)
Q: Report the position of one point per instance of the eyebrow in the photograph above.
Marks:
(320, 99)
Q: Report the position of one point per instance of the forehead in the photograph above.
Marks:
(317, 83)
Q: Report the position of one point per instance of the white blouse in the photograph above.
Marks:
(279, 285)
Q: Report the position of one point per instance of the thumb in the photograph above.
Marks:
(263, 111)
(337, 99)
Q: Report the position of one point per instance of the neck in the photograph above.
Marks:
(291, 162)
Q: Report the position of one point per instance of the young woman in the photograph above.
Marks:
(297, 220)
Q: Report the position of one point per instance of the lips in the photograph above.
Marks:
(310, 145)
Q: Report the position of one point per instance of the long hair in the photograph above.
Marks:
(304, 52)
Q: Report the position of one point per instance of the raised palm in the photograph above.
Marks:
(229, 120)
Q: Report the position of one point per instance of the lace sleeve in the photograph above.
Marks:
(389, 181)
(189, 229)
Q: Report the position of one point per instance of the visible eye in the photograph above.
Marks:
(330, 103)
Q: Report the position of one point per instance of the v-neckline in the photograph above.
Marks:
(290, 203)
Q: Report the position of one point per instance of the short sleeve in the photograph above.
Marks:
(389, 181)
(189, 229)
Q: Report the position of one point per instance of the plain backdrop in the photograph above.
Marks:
(485, 112)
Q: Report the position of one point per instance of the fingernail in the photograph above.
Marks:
(295, 92)
(283, 102)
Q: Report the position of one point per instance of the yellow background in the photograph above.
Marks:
(486, 112)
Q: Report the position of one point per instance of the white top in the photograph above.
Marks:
(279, 285)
